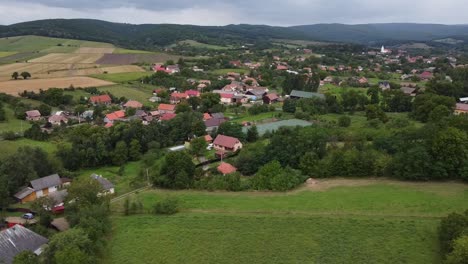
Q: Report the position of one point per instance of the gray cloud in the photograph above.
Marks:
(222, 12)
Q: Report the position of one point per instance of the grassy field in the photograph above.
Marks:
(336, 221)
(10, 147)
(122, 77)
(127, 181)
(12, 123)
(128, 51)
(138, 93)
(46, 44)
(6, 53)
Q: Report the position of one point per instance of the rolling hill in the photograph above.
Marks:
(153, 36)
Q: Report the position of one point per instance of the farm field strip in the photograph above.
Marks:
(14, 87)
(89, 50)
(68, 58)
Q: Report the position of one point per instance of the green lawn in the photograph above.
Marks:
(123, 183)
(383, 222)
(10, 147)
(122, 77)
(12, 123)
(133, 92)
(338, 90)
(45, 44)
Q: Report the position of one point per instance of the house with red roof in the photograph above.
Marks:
(133, 104)
(227, 98)
(192, 93)
(226, 168)
(236, 63)
(427, 75)
(176, 98)
(167, 116)
(227, 143)
(281, 68)
(100, 99)
(461, 109)
(166, 108)
(208, 138)
(363, 80)
(270, 98)
(110, 118)
(57, 119)
(33, 115)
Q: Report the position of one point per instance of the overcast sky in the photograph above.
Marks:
(223, 12)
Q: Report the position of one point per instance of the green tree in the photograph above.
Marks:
(74, 241)
(183, 107)
(177, 171)
(15, 75)
(45, 110)
(209, 100)
(26, 257)
(252, 134)
(194, 102)
(25, 75)
(120, 153)
(344, 121)
(134, 151)
(289, 106)
(374, 93)
(84, 193)
(459, 255)
(452, 227)
(198, 146)
(438, 113)
(231, 129)
(309, 164)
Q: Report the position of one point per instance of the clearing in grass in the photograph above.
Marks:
(122, 77)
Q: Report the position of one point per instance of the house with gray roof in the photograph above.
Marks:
(39, 188)
(107, 186)
(295, 94)
(17, 239)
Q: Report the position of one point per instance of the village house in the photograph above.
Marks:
(177, 98)
(227, 98)
(427, 75)
(57, 119)
(166, 109)
(133, 104)
(363, 80)
(33, 115)
(104, 99)
(411, 91)
(167, 116)
(270, 98)
(39, 188)
(227, 144)
(110, 118)
(107, 186)
(192, 93)
(282, 68)
(226, 168)
(17, 239)
(385, 85)
(461, 109)
(213, 123)
(236, 63)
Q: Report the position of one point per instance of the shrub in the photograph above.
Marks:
(344, 121)
(167, 206)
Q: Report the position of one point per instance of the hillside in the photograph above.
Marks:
(365, 33)
(152, 36)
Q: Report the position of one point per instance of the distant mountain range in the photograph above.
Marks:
(148, 36)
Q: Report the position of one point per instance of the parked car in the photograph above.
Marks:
(28, 216)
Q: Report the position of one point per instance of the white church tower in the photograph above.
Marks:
(382, 50)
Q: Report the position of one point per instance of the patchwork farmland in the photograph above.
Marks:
(15, 87)
(123, 59)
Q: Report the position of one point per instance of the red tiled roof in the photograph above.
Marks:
(206, 116)
(166, 107)
(115, 115)
(179, 95)
(167, 116)
(462, 107)
(105, 98)
(226, 95)
(272, 96)
(226, 141)
(192, 93)
(108, 125)
(133, 104)
(33, 113)
(208, 138)
(226, 168)
(281, 67)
